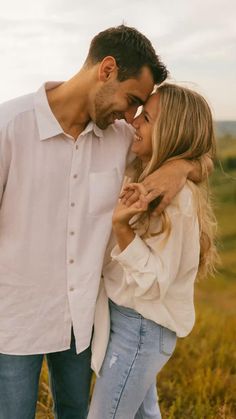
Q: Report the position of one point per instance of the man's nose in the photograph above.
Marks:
(135, 123)
(130, 114)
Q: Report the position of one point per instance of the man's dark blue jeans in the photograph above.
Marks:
(70, 377)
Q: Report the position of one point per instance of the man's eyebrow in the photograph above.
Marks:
(136, 99)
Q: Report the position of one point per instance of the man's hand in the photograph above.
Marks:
(200, 169)
(166, 182)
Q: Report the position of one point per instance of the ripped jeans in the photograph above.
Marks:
(138, 349)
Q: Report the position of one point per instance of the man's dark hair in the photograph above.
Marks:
(131, 50)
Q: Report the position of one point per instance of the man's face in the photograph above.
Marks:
(120, 100)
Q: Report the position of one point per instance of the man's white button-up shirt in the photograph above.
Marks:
(57, 197)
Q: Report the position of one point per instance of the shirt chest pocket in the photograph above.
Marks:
(104, 189)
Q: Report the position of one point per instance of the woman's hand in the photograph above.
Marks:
(123, 212)
(122, 215)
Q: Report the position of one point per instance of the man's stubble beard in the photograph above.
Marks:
(102, 109)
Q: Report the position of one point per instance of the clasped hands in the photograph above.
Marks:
(157, 190)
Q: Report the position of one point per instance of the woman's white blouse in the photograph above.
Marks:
(154, 277)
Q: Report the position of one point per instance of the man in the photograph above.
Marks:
(63, 156)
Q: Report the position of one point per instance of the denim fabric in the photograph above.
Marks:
(70, 376)
(19, 376)
(138, 349)
(149, 408)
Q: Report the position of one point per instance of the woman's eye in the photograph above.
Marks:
(146, 118)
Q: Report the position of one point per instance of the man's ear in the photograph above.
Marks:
(107, 69)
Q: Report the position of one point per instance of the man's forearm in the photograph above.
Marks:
(171, 177)
(199, 170)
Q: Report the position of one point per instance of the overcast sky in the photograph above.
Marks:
(49, 39)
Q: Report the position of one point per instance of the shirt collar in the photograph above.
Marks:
(47, 123)
(93, 127)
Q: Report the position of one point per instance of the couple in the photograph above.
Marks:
(64, 152)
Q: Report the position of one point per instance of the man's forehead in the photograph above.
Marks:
(141, 87)
(144, 84)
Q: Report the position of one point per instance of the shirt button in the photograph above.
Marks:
(71, 261)
(76, 146)
(71, 288)
(72, 233)
(72, 204)
(75, 176)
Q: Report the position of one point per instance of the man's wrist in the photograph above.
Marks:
(190, 167)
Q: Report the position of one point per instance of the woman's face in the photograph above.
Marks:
(143, 124)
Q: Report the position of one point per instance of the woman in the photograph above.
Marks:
(148, 277)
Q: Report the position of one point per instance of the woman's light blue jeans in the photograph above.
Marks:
(138, 349)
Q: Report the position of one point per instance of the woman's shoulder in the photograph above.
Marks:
(185, 201)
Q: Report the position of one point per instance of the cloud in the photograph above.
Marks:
(50, 39)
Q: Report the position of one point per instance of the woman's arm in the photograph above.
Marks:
(153, 264)
(122, 215)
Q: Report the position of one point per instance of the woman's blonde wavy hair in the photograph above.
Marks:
(183, 130)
